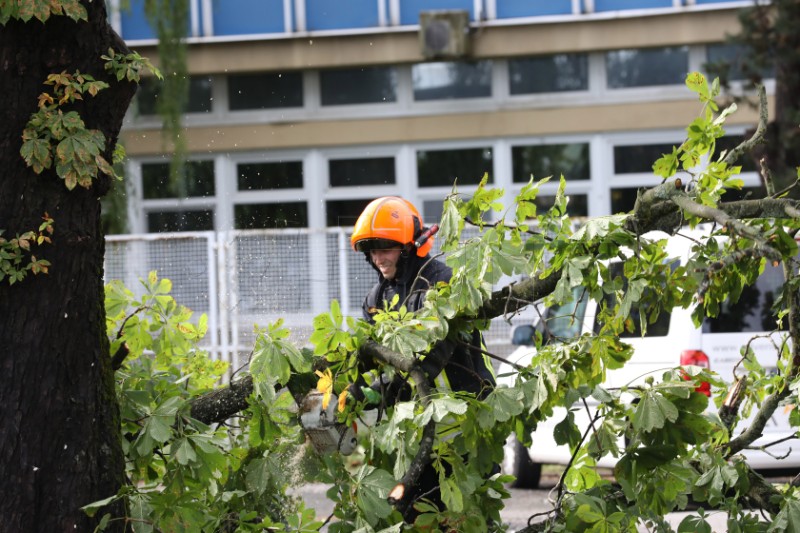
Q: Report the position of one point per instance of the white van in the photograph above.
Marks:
(672, 341)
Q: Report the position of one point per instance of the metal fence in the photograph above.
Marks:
(242, 279)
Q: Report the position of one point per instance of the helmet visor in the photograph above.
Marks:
(365, 245)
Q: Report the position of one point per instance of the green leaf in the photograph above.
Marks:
(505, 402)
(440, 408)
(183, 452)
(259, 473)
(451, 225)
(93, 507)
(372, 489)
(653, 411)
(788, 519)
(694, 524)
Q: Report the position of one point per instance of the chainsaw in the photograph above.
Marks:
(326, 433)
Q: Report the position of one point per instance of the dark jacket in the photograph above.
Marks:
(465, 369)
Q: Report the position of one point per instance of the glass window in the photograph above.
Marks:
(199, 95)
(577, 206)
(647, 67)
(548, 74)
(623, 199)
(269, 216)
(432, 211)
(242, 17)
(328, 15)
(526, 8)
(344, 213)
(197, 181)
(752, 312)
(364, 85)
(265, 90)
(564, 320)
(193, 220)
(440, 168)
(439, 81)
(268, 176)
(358, 172)
(735, 61)
(613, 5)
(729, 142)
(571, 160)
(638, 158)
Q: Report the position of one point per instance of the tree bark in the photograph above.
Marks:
(59, 421)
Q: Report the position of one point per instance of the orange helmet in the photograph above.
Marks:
(388, 222)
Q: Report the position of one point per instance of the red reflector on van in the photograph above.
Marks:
(697, 358)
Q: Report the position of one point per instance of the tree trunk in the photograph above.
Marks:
(59, 420)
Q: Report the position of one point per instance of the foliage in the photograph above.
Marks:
(129, 66)
(669, 443)
(52, 135)
(13, 252)
(186, 475)
(26, 10)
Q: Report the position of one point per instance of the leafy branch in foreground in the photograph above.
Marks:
(216, 458)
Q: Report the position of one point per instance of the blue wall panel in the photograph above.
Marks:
(409, 9)
(240, 17)
(341, 14)
(531, 8)
(134, 23)
(613, 5)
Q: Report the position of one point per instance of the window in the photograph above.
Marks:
(613, 5)
(638, 158)
(564, 320)
(197, 180)
(265, 90)
(646, 67)
(439, 81)
(344, 213)
(241, 17)
(359, 172)
(735, 62)
(328, 15)
(752, 312)
(623, 199)
(199, 95)
(268, 176)
(365, 85)
(548, 74)
(275, 215)
(577, 206)
(526, 8)
(432, 211)
(729, 142)
(571, 160)
(190, 220)
(440, 168)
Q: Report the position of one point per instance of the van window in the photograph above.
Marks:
(659, 328)
(564, 321)
(752, 312)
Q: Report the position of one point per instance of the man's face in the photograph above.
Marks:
(386, 261)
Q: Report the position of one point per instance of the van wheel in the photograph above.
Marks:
(517, 462)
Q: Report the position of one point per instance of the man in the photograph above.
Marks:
(396, 244)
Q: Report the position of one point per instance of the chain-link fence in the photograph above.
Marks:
(244, 279)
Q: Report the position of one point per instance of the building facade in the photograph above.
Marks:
(302, 111)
